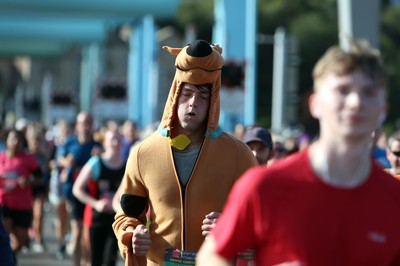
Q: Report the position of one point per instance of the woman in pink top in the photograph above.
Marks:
(18, 171)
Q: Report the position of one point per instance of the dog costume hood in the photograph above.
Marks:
(197, 63)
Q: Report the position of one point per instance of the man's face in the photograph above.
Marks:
(348, 106)
(393, 155)
(260, 151)
(83, 124)
(193, 105)
(129, 131)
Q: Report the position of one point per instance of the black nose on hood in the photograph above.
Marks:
(199, 48)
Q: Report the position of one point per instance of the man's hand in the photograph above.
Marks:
(22, 182)
(209, 223)
(103, 205)
(69, 161)
(96, 151)
(140, 240)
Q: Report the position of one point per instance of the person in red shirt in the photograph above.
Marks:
(18, 171)
(330, 204)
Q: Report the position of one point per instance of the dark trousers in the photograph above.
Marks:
(104, 245)
(6, 255)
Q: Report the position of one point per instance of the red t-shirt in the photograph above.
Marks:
(24, 165)
(287, 214)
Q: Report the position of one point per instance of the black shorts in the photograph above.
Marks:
(77, 208)
(41, 189)
(19, 218)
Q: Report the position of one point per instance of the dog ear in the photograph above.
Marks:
(174, 51)
(217, 48)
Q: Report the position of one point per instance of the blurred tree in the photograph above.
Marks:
(199, 14)
(390, 43)
(315, 25)
(315, 32)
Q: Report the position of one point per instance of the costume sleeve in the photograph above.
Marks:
(135, 198)
(237, 227)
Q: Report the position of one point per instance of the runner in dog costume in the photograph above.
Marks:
(151, 181)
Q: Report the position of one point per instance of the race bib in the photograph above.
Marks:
(174, 257)
(246, 258)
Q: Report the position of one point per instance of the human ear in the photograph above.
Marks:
(317, 113)
(315, 110)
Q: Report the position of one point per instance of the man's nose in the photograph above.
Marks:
(193, 100)
(354, 99)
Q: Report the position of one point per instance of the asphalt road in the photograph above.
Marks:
(48, 257)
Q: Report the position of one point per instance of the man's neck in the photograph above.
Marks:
(83, 139)
(340, 165)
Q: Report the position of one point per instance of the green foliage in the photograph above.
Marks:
(277, 13)
(315, 25)
(200, 14)
(390, 43)
(315, 34)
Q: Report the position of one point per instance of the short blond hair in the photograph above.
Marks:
(360, 57)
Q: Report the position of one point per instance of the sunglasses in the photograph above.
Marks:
(396, 153)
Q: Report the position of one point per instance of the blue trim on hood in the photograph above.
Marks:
(163, 131)
(210, 134)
